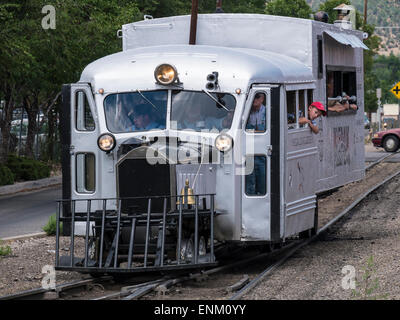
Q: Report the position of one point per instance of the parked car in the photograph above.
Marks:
(388, 139)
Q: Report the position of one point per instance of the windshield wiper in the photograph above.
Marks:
(147, 100)
(207, 93)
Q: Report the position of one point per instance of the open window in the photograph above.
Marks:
(341, 90)
(256, 122)
(297, 102)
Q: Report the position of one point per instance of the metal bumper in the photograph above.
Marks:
(116, 256)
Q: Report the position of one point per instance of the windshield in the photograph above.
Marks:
(202, 110)
(136, 111)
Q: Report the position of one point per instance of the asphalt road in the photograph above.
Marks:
(27, 212)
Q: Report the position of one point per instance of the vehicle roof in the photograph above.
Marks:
(237, 67)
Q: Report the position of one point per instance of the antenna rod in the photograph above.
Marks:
(193, 22)
(365, 11)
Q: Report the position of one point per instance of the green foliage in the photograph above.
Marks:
(289, 8)
(6, 176)
(50, 227)
(4, 250)
(368, 285)
(163, 8)
(26, 169)
(386, 71)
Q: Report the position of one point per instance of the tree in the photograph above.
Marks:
(163, 8)
(373, 42)
(36, 62)
(386, 71)
(289, 8)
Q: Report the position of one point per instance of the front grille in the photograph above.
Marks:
(138, 178)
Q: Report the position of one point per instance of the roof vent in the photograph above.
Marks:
(346, 17)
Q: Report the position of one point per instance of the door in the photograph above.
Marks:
(83, 148)
(256, 150)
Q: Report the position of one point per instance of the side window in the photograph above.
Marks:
(341, 89)
(291, 109)
(83, 116)
(310, 97)
(255, 182)
(257, 120)
(302, 105)
(320, 58)
(85, 173)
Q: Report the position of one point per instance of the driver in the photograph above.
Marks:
(144, 118)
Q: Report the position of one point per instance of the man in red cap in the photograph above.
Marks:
(315, 110)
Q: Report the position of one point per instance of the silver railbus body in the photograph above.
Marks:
(290, 62)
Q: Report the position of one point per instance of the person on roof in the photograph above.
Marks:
(315, 110)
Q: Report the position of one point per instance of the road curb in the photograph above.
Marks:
(30, 185)
(25, 236)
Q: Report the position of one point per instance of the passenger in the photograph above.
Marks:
(256, 181)
(335, 105)
(315, 110)
(340, 107)
(144, 119)
(257, 120)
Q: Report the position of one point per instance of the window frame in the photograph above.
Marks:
(77, 111)
(306, 104)
(252, 131)
(265, 176)
(86, 191)
(170, 108)
(342, 70)
(168, 91)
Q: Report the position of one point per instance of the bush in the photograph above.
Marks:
(4, 250)
(50, 227)
(26, 169)
(6, 176)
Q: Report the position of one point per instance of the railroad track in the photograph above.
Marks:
(162, 285)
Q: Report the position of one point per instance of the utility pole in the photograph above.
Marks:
(365, 11)
(219, 7)
(379, 111)
(193, 22)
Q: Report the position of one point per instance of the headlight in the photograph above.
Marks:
(376, 135)
(223, 142)
(106, 142)
(165, 74)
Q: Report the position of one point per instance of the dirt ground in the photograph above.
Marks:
(22, 270)
(313, 273)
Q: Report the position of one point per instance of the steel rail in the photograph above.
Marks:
(373, 164)
(277, 264)
(40, 293)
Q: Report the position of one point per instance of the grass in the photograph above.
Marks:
(50, 227)
(368, 287)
